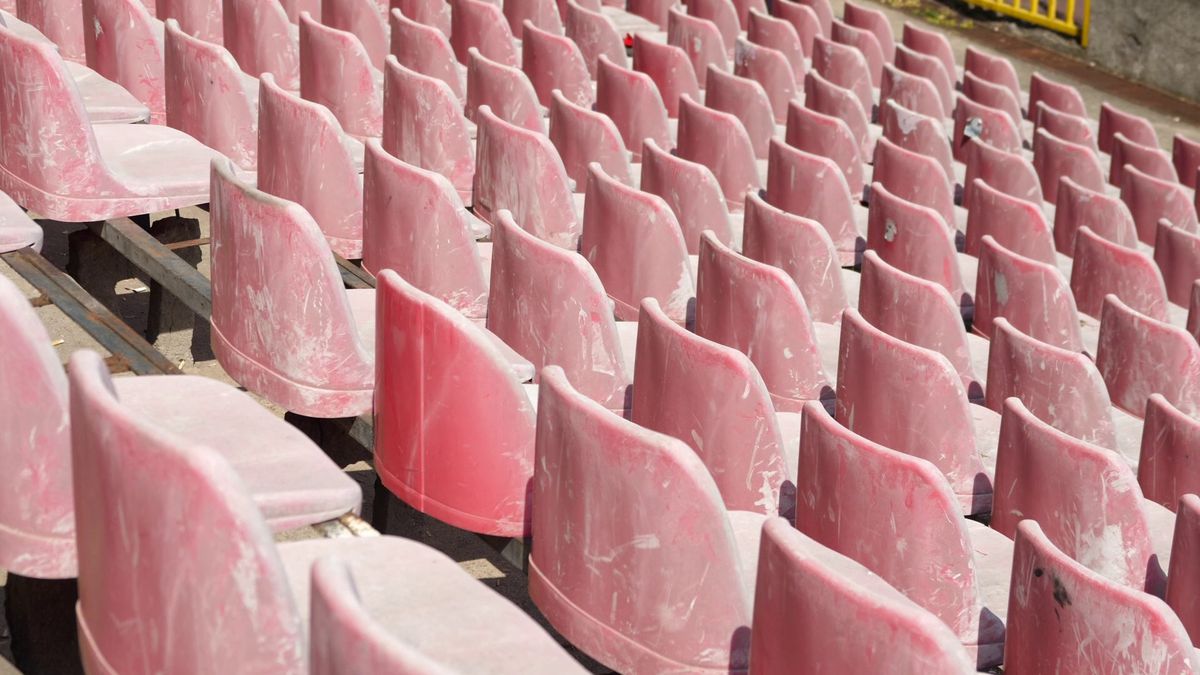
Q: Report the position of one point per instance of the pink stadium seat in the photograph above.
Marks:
(778, 34)
(366, 19)
(415, 224)
(209, 98)
(930, 42)
(201, 20)
(59, 20)
(1102, 267)
(126, 46)
(877, 374)
(1182, 584)
(994, 127)
(1064, 617)
(1149, 160)
(866, 43)
(654, 11)
(668, 548)
(1015, 224)
(1062, 97)
(1065, 126)
(802, 248)
(631, 100)
(827, 98)
(897, 515)
(803, 19)
(1139, 356)
(432, 13)
(929, 67)
(746, 100)
(825, 200)
(481, 24)
(1113, 120)
(690, 190)
(995, 69)
(719, 141)
(1168, 469)
(263, 40)
(820, 134)
(993, 96)
(1185, 154)
(583, 136)
(424, 126)
(1034, 297)
(911, 91)
(293, 8)
(635, 244)
(916, 132)
(844, 66)
(769, 67)
(670, 69)
(1153, 199)
(722, 14)
(917, 178)
(875, 21)
(1177, 256)
(571, 324)
(1084, 497)
(1054, 158)
(505, 89)
(55, 162)
(699, 39)
(283, 325)
(1105, 214)
(336, 72)
(1008, 172)
(596, 34)
(745, 7)
(543, 14)
(425, 50)
(824, 12)
(810, 598)
(329, 189)
(17, 229)
(554, 62)
(758, 310)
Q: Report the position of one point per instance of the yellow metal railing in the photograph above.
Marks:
(1069, 18)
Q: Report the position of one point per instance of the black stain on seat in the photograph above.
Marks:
(1060, 593)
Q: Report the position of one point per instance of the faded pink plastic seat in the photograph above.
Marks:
(1071, 619)
(1102, 267)
(635, 245)
(1034, 296)
(506, 90)
(1015, 224)
(263, 39)
(426, 50)
(995, 69)
(17, 229)
(283, 325)
(768, 67)
(865, 42)
(124, 43)
(918, 133)
(554, 62)
(543, 14)
(899, 517)
(210, 98)
(1062, 97)
(291, 130)
(415, 224)
(1177, 256)
(481, 24)
(930, 68)
(826, 198)
(828, 136)
(994, 96)
(549, 306)
(1168, 469)
(722, 14)
(809, 598)
(691, 191)
(1135, 128)
(699, 39)
(423, 124)
(802, 248)
(804, 19)
(1054, 158)
(877, 375)
(59, 20)
(823, 10)
(365, 19)
(711, 397)
(830, 99)
(632, 101)
(670, 69)
(993, 127)
(1139, 356)
(758, 310)
(777, 34)
(1182, 584)
(595, 34)
(843, 66)
(432, 13)
(55, 162)
(1084, 497)
(1068, 127)
(1008, 172)
(1105, 214)
(911, 91)
(917, 178)
(930, 42)
(1149, 160)
(201, 20)
(519, 170)
(1185, 154)
(293, 8)
(1153, 199)
(653, 550)
(654, 11)
(719, 141)
(746, 100)
(874, 21)
(337, 72)
(583, 136)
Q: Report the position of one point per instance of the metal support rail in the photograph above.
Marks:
(1045, 13)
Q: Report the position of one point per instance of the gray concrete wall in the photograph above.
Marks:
(1154, 41)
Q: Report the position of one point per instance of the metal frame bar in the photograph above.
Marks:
(1049, 19)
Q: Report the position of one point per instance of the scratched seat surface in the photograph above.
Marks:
(337, 72)
(631, 99)
(481, 25)
(263, 38)
(553, 61)
(364, 19)
(426, 50)
(125, 46)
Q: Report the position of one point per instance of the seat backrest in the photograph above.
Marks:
(426, 50)
(201, 20)
(850, 490)
(293, 8)
(711, 397)
(1016, 224)
(1152, 161)
(505, 89)
(1056, 602)
(1060, 386)
(1184, 582)
(1008, 172)
(779, 34)
(669, 67)
(808, 596)
(992, 95)
(1105, 214)
(423, 124)
(366, 19)
(827, 98)
(722, 14)
(543, 14)
(651, 10)
(432, 13)
(877, 375)
(690, 189)
(473, 476)
(414, 223)
(550, 307)
(803, 19)
(1033, 296)
(917, 178)
(828, 136)
(1054, 158)
(699, 38)
(1139, 356)
(757, 309)
(1059, 96)
(1165, 471)
(911, 91)
(554, 62)
(631, 100)
(59, 20)
(37, 527)
(1101, 267)
(136, 485)
(595, 34)
(993, 126)
(1185, 154)
(1151, 199)
(126, 47)
(481, 24)
(876, 22)
(261, 39)
(719, 141)
(930, 68)
(918, 133)
(289, 128)
(653, 548)
(915, 239)
(823, 10)
(633, 241)
(336, 72)
(930, 42)
(768, 67)
(582, 136)
(865, 42)
(746, 100)
(993, 68)
(1085, 498)
(210, 98)
(1177, 255)
(846, 67)
(1065, 126)
(800, 247)
(1113, 120)
(825, 197)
